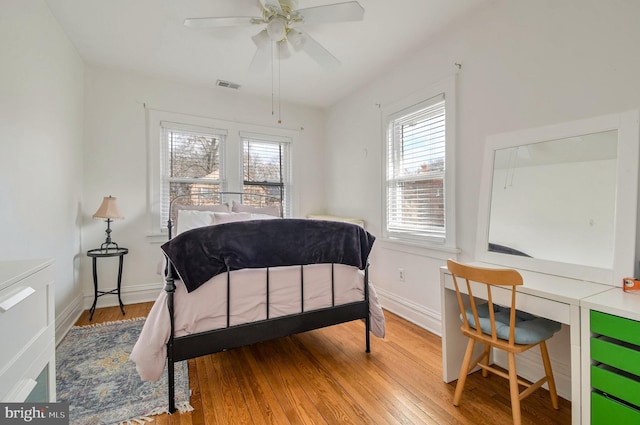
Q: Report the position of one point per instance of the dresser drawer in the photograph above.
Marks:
(24, 321)
(618, 384)
(606, 411)
(615, 327)
(27, 330)
(617, 354)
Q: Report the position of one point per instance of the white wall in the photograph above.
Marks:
(41, 113)
(524, 64)
(115, 163)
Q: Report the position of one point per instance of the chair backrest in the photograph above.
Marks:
(490, 277)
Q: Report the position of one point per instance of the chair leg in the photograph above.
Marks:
(547, 370)
(485, 359)
(464, 370)
(514, 390)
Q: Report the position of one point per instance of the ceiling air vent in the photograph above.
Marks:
(227, 84)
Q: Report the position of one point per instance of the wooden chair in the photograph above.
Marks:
(501, 328)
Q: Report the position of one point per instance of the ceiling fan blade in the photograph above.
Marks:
(263, 52)
(228, 21)
(260, 61)
(339, 12)
(271, 5)
(303, 41)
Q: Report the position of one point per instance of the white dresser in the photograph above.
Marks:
(27, 331)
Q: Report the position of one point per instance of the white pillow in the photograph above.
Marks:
(273, 210)
(190, 219)
(220, 218)
(263, 217)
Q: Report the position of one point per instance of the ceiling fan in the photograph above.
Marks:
(281, 21)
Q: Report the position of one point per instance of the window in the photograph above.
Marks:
(193, 154)
(191, 163)
(265, 168)
(418, 186)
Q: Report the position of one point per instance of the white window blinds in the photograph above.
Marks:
(266, 165)
(191, 163)
(416, 171)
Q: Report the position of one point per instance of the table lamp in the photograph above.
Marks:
(109, 210)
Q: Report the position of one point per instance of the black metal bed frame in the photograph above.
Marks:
(217, 340)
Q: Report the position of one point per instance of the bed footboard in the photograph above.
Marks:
(195, 345)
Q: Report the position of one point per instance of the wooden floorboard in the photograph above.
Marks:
(325, 377)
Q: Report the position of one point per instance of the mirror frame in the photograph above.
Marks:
(626, 197)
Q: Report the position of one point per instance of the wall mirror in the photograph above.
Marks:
(562, 199)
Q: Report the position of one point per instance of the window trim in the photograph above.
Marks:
(445, 88)
(232, 162)
(165, 180)
(287, 168)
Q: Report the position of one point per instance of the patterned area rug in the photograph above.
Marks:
(96, 377)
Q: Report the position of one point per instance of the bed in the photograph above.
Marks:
(240, 278)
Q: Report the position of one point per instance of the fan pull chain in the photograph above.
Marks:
(279, 85)
(272, 80)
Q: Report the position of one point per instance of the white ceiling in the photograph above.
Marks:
(148, 37)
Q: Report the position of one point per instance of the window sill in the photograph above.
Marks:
(157, 238)
(440, 252)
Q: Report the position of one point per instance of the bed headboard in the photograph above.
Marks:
(222, 202)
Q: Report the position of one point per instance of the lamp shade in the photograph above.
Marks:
(108, 209)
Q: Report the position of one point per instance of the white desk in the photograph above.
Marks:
(553, 297)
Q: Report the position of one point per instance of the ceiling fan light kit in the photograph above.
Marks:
(261, 40)
(284, 51)
(277, 28)
(296, 39)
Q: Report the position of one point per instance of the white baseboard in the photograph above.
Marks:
(529, 364)
(407, 309)
(130, 295)
(66, 318)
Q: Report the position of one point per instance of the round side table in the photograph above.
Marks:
(102, 253)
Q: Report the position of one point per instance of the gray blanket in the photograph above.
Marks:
(200, 254)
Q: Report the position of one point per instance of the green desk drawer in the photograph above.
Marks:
(623, 386)
(605, 411)
(619, 355)
(616, 327)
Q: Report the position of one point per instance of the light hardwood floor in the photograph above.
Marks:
(325, 377)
